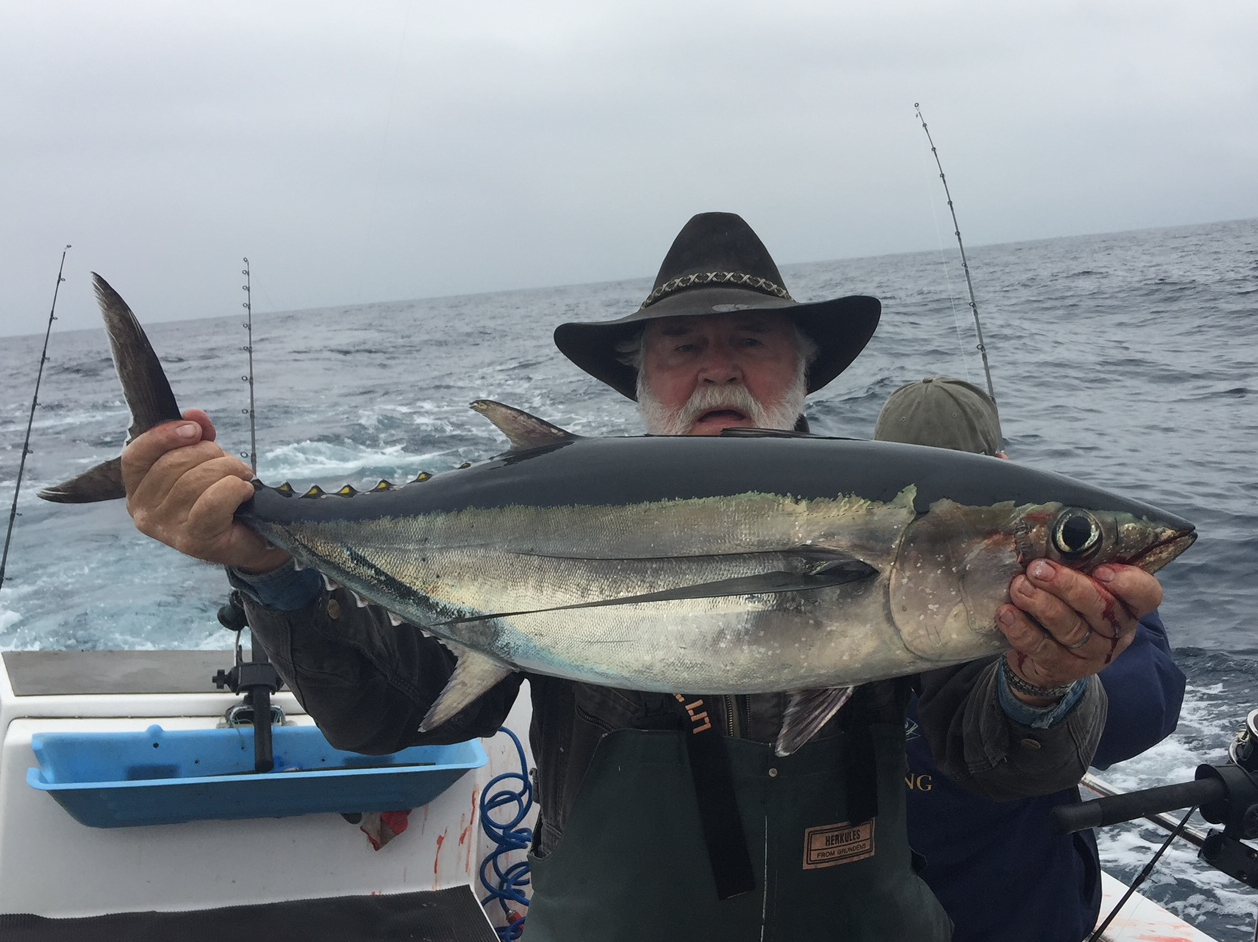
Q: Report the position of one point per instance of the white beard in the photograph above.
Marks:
(783, 414)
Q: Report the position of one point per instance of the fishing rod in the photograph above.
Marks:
(257, 677)
(248, 378)
(965, 266)
(30, 422)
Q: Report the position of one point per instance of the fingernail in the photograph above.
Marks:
(1103, 574)
(1042, 569)
(187, 430)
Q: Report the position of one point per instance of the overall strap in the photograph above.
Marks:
(718, 805)
(862, 767)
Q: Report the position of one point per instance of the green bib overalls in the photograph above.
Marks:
(632, 863)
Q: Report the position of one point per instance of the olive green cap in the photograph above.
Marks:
(942, 412)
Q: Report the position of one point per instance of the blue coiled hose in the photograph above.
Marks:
(508, 836)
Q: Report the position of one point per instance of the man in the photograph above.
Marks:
(623, 848)
(1001, 869)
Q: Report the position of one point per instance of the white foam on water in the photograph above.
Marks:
(326, 461)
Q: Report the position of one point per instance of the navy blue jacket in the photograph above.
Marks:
(1000, 869)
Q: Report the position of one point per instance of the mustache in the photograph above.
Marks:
(707, 398)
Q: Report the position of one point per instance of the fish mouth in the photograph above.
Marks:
(1163, 551)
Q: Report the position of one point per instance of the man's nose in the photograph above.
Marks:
(720, 367)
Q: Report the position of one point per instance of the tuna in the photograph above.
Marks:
(748, 563)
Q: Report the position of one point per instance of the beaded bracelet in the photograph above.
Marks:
(1022, 686)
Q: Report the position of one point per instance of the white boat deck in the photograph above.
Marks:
(51, 865)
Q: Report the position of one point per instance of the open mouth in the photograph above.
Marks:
(722, 414)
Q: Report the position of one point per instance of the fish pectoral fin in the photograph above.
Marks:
(830, 568)
(102, 482)
(831, 573)
(806, 712)
(823, 576)
(523, 430)
(473, 677)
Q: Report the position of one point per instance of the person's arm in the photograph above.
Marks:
(1146, 691)
(1037, 732)
(977, 743)
(365, 682)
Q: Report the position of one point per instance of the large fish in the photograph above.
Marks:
(741, 564)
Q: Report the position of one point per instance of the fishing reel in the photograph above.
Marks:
(1244, 748)
(1224, 794)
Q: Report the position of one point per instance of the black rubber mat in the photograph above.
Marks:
(451, 915)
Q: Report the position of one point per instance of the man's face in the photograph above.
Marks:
(707, 373)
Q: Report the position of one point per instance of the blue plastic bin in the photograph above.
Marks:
(160, 776)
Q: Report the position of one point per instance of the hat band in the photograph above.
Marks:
(754, 282)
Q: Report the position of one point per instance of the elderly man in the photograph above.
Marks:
(628, 846)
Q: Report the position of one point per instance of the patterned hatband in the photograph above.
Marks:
(754, 282)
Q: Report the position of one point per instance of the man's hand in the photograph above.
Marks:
(183, 490)
(1065, 625)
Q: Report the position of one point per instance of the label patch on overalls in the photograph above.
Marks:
(837, 844)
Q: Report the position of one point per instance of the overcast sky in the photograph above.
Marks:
(374, 151)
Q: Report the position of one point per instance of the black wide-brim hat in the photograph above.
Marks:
(718, 265)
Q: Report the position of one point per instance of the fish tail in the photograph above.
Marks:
(144, 386)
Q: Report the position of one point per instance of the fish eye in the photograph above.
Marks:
(1076, 535)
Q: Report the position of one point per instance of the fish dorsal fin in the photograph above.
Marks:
(522, 429)
(474, 676)
(806, 712)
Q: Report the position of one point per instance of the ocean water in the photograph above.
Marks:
(1127, 360)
